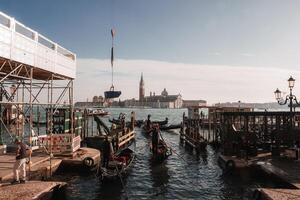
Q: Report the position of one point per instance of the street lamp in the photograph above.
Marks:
(289, 98)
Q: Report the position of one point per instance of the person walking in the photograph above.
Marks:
(20, 164)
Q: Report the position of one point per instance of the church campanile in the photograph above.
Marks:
(142, 89)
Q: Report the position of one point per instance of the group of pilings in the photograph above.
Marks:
(269, 131)
(197, 133)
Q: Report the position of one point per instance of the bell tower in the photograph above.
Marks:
(142, 89)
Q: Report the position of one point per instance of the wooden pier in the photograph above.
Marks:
(32, 190)
(268, 141)
(41, 167)
(202, 125)
(120, 135)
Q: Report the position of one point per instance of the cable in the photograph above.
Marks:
(173, 149)
(120, 176)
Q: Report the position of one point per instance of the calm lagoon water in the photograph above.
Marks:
(188, 177)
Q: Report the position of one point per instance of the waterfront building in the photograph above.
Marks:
(190, 103)
(157, 101)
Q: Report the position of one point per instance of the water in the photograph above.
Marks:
(189, 177)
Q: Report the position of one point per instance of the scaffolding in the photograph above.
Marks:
(36, 79)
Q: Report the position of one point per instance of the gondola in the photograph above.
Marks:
(161, 123)
(170, 127)
(147, 130)
(118, 166)
(163, 152)
(138, 123)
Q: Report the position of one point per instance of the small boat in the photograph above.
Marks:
(146, 130)
(170, 127)
(119, 166)
(138, 123)
(163, 152)
(161, 123)
(97, 111)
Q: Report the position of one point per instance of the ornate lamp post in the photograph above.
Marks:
(290, 98)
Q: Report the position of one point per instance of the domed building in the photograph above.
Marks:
(158, 101)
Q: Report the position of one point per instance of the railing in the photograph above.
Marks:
(60, 143)
(24, 45)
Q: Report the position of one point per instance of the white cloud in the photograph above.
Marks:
(247, 54)
(215, 83)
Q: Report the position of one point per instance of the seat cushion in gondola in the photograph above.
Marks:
(112, 94)
(121, 159)
(113, 163)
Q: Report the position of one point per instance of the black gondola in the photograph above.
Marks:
(118, 166)
(147, 130)
(170, 127)
(163, 152)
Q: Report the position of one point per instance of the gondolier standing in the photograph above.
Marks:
(106, 152)
(155, 139)
(20, 164)
(148, 122)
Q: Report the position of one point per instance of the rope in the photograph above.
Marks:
(169, 146)
(120, 176)
(191, 182)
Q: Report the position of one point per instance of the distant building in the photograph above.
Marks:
(163, 101)
(88, 104)
(98, 101)
(141, 89)
(190, 103)
(156, 101)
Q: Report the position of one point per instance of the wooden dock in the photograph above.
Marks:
(288, 171)
(32, 190)
(284, 169)
(7, 162)
(40, 164)
(279, 194)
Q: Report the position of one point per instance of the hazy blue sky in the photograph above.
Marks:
(262, 34)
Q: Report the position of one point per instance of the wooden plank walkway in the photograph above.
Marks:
(30, 190)
(280, 194)
(285, 169)
(7, 162)
(40, 166)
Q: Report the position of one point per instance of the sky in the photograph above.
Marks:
(216, 50)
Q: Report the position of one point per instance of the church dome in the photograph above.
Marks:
(164, 93)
